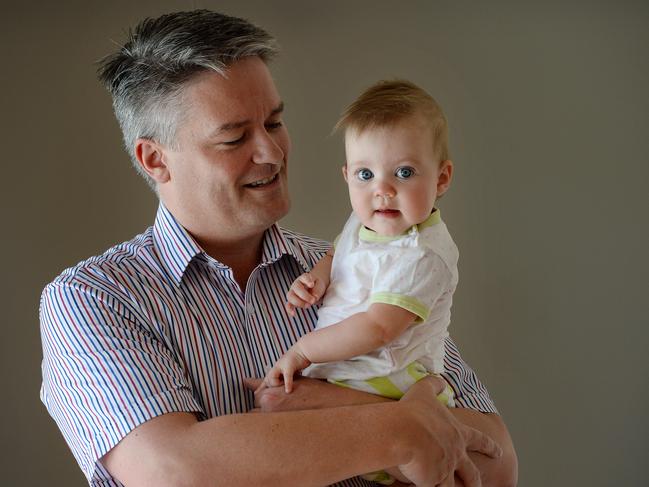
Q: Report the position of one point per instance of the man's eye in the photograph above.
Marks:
(274, 125)
(235, 141)
(364, 174)
(404, 172)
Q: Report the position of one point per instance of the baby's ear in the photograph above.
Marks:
(444, 177)
(345, 172)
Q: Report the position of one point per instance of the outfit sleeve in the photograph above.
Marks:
(104, 373)
(411, 279)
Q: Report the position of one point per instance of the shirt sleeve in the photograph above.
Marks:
(411, 279)
(469, 392)
(104, 373)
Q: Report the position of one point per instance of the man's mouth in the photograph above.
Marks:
(263, 182)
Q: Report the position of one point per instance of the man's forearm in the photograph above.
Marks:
(316, 447)
(310, 393)
(311, 447)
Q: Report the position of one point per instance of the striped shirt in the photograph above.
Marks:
(155, 325)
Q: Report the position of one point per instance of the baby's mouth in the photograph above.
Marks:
(387, 212)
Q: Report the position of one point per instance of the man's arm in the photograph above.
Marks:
(311, 393)
(311, 447)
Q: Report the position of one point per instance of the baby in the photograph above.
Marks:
(388, 283)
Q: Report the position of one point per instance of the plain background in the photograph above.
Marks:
(548, 109)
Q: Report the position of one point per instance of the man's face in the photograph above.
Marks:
(393, 175)
(227, 178)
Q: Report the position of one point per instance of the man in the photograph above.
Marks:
(147, 347)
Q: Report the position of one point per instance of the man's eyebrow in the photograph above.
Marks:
(278, 110)
(226, 127)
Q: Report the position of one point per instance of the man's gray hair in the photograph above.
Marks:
(147, 75)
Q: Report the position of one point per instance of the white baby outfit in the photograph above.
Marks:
(416, 271)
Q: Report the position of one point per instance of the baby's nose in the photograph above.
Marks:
(384, 190)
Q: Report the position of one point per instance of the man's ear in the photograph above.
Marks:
(444, 177)
(345, 172)
(151, 156)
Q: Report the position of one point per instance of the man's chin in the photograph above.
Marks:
(268, 215)
(283, 210)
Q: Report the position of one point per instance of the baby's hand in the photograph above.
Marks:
(283, 371)
(305, 291)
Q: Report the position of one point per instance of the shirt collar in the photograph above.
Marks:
(177, 248)
(276, 244)
(175, 245)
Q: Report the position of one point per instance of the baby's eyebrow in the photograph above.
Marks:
(355, 164)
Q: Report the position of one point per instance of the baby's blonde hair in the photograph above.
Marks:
(388, 102)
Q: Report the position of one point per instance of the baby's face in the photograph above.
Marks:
(393, 176)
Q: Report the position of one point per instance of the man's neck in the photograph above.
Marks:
(242, 253)
(242, 257)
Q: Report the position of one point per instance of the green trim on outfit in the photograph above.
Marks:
(385, 387)
(406, 302)
(434, 218)
(368, 235)
(336, 240)
(417, 371)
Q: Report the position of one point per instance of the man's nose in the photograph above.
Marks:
(267, 150)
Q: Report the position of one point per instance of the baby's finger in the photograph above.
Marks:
(297, 301)
(290, 309)
(303, 293)
(261, 387)
(288, 381)
(307, 279)
(273, 378)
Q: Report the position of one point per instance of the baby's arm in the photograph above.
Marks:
(356, 335)
(359, 334)
(309, 288)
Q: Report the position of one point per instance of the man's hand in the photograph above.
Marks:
(305, 291)
(441, 444)
(282, 372)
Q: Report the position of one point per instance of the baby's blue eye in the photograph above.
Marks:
(404, 172)
(364, 174)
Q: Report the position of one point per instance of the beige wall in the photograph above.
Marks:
(548, 109)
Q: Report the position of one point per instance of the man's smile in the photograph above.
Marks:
(263, 182)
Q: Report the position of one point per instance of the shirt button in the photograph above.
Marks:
(250, 308)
